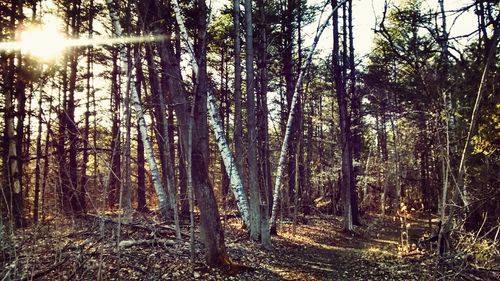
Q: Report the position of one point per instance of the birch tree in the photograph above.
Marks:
(195, 140)
(160, 192)
(216, 124)
(238, 127)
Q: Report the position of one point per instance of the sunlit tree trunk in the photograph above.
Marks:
(13, 89)
(13, 189)
(238, 123)
(224, 111)
(125, 201)
(14, 69)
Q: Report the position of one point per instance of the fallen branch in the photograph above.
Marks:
(130, 243)
(43, 272)
(154, 227)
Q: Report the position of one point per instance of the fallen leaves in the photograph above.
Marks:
(85, 249)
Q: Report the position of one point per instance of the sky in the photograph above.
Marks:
(368, 13)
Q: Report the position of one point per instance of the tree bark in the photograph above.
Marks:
(262, 119)
(211, 228)
(345, 132)
(114, 174)
(357, 118)
(36, 202)
(141, 172)
(238, 123)
(251, 126)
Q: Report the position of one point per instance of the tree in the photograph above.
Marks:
(345, 127)
(251, 126)
(238, 123)
(162, 197)
(211, 228)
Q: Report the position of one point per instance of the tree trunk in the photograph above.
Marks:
(262, 117)
(114, 174)
(125, 201)
(395, 133)
(357, 118)
(252, 129)
(211, 228)
(161, 131)
(36, 201)
(73, 188)
(46, 158)
(345, 132)
(382, 143)
(160, 192)
(238, 123)
(13, 188)
(141, 172)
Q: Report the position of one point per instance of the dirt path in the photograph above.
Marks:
(321, 251)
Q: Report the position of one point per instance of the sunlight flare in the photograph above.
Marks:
(42, 42)
(46, 42)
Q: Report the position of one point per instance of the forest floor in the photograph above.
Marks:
(86, 249)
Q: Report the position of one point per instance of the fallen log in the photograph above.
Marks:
(151, 228)
(130, 243)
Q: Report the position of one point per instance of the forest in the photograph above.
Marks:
(249, 140)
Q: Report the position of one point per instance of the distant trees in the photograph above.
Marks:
(413, 84)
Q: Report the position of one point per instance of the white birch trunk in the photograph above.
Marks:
(291, 116)
(216, 124)
(134, 99)
(227, 157)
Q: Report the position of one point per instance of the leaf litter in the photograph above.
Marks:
(87, 249)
